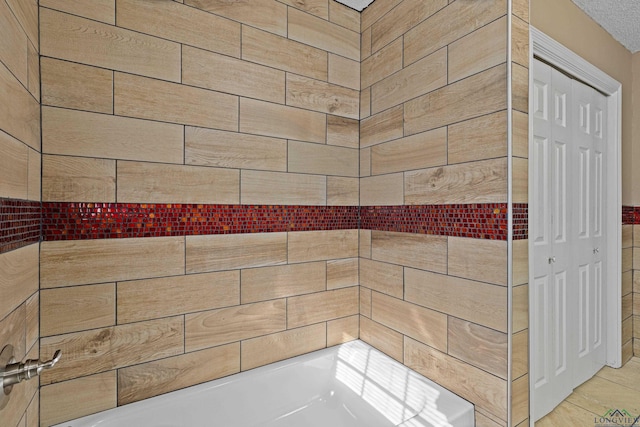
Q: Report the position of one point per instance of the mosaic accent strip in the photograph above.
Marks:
(630, 215)
(19, 223)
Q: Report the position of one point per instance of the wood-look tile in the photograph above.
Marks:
(520, 180)
(318, 8)
(309, 246)
(520, 308)
(344, 16)
(520, 263)
(12, 331)
(377, 10)
(342, 273)
(627, 282)
(401, 19)
(263, 118)
(154, 378)
(316, 95)
(77, 308)
(210, 147)
(266, 283)
(232, 251)
(597, 394)
(322, 34)
(365, 162)
(19, 277)
(343, 330)
(33, 412)
(69, 179)
(321, 159)
(33, 71)
(451, 23)
(101, 350)
(226, 74)
(520, 41)
(165, 183)
(483, 420)
(89, 42)
(476, 302)
(627, 376)
(382, 277)
(421, 251)
(422, 150)
(78, 262)
(567, 414)
(364, 237)
(152, 99)
(227, 325)
(477, 345)
(14, 168)
(343, 191)
(32, 321)
(521, 9)
(484, 48)
(78, 397)
(71, 85)
(365, 103)
(322, 306)
(381, 64)
(484, 390)
(343, 131)
(636, 235)
(284, 188)
(344, 71)
(98, 10)
(365, 302)
(382, 127)
(21, 117)
(171, 296)
(520, 399)
(283, 345)
(80, 133)
(481, 138)
(26, 13)
(474, 96)
(419, 323)
(484, 181)
(627, 236)
(365, 44)
(384, 339)
(13, 49)
(34, 175)
(520, 354)
(627, 260)
(265, 14)
(284, 54)
(627, 306)
(478, 259)
(520, 134)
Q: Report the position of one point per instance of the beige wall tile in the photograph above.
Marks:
(627, 261)
(422, 251)
(169, 102)
(627, 306)
(77, 398)
(89, 42)
(151, 379)
(315, 7)
(164, 183)
(365, 103)
(226, 325)
(381, 64)
(344, 16)
(422, 324)
(344, 72)
(382, 190)
(521, 9)
(627, 236)
(98, 10)
(226, 74)
(173, 21)
(68, 179)
(21, 117)
(13, 49)
(343, 330)
(520, 399)
(476, 302)
(365, 243)
(484, 390)
(478, 259)
(322, 306)
(12, 332)
(627, 282)
(71, 85)
(321, 159)
(268, 119)
(627, 329)
(478, 346)
(520, 180)
(324, 35)
(14, 168)
(382, 127)
(343, 191)
(32, 320)
(384, 339)
(474, 96)
(520, 87)
(365, 302)
(484, 421)
(342, 273)
(636, 235)
(33, 412)
(376, 10)
(33, 71)
(266, 283)
(35, 175)
(265, 14)
(79, 133)
(365, 44)
(287, 55)
(477, 182)
(77, 308)
(365, 162)
(481, 138)
(77, 262)
(520, 134)
(284, 188)
(520, 308)
(26, 13)
(401, 19)
(382, 277)
(453, 22)
(283, 345)
(520, 353)
(520, 41)
(210, 147)
(231, 251)
(171, 296)
(418, 151)
(343, 131)
(19, 278)
(520, 262)
(316, 95)
(322, 245)
(113, 347)
(484, 48)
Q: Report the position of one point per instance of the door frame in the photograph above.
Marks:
(554, 53)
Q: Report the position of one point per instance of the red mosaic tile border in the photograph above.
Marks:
(630, 215)
(19, 223)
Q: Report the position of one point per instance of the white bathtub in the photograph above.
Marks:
(350, 385)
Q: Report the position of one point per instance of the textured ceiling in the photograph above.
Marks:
(620, 18)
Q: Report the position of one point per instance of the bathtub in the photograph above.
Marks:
(350, 385)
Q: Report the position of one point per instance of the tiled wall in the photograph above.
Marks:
(630, 282)
(173, 125)
(19, 197)
(434, 109)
